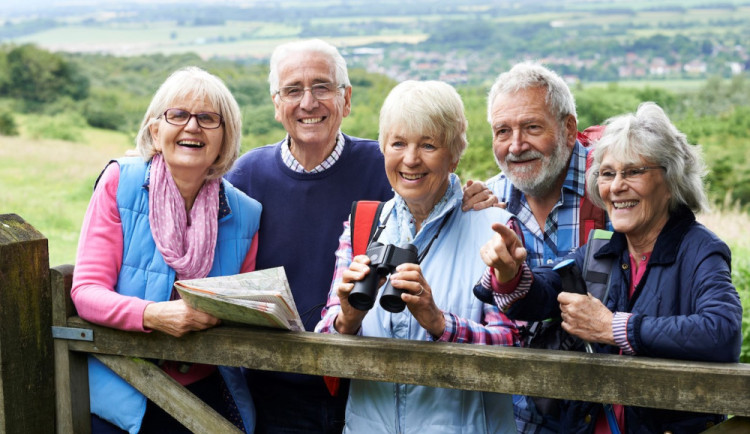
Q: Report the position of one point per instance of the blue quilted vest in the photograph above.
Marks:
(144, 274)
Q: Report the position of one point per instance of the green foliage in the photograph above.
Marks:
(741, 281)
(478, 162)
(4, 72)
(717, 116)
(8, 125)
(38, 77)
(113, 109)
(368, 93)
(595, 104)
(65, 126)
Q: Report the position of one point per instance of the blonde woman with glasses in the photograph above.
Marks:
(163, 216)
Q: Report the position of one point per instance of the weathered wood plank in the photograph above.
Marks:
(169, 395)
(735, 425)
(658, 383)
(71, 368)
(27, 394)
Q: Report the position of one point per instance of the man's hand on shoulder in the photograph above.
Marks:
(478, 197)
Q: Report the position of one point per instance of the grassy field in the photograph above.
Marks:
(233, 40)
(49, 182)
(249, 39)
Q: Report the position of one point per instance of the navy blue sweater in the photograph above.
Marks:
(303, 213)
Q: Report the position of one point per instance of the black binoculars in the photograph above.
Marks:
(383, 261)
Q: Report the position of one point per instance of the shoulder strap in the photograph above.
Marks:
(591, 216)
(363, 222)
(596, 271)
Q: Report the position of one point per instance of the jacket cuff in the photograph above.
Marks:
(509, 286)
(620, 331)
(521, 287)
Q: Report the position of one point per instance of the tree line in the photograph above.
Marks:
(69, 92)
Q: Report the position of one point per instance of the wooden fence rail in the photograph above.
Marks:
(659, 383)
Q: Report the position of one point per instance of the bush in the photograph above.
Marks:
(741, 280)
(8, 125)
(67, 126)
(114, 109)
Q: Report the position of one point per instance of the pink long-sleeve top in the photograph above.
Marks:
(98, 263)
(99, 259)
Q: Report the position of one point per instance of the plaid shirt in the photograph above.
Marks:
(495, 329)
(292, 163)
(560, 235)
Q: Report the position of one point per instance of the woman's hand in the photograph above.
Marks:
(586, 317)
(176, 318)
(477, 197)
(418, 298)
(350, 319)
(504, 252)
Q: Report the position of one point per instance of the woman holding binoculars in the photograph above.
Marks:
(422, 136)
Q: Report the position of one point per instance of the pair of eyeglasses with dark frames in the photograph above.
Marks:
(608, 175)
(319, 91)
(206, 120)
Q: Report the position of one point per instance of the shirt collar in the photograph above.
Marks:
(450, 200)
(293, 164)
(667, 243)
(575, 177)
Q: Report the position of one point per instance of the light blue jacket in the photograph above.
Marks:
(452, 267)
(144, 274)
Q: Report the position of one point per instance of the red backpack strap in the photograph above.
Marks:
(364, 221)
(591, 216)
(362, 224)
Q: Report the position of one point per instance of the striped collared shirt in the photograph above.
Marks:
(292, 163)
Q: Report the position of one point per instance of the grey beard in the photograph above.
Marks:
(553, 167)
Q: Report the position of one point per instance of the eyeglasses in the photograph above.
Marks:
(319, 91)
(206, 120)
(633, 174)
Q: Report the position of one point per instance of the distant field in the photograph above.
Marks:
(49, 183)
(165, 37)
(640, 17)
(248, 39)
(234, 40)
(672, 85)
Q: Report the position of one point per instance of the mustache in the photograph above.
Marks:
(523, 156)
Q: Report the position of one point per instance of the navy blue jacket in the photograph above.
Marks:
(685, 307)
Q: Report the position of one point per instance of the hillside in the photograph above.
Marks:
(455, 41)
(49, 183)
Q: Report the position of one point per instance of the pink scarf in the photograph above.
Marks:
(189, 250)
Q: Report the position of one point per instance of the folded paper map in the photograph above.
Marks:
(260, 298)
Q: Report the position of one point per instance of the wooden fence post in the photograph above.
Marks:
(27, 386)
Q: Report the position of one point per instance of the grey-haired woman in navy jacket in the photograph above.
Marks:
(670, 293)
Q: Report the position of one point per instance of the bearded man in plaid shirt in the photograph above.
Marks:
(534, 138)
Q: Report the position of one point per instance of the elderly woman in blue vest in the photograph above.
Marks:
(422, 136)
(670, 292)
(164, 216)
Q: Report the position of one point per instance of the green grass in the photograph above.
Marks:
(732, 225)
(48, 183)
